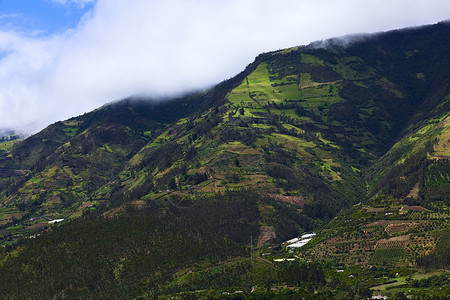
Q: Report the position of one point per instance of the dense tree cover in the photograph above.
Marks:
(142, 255)
(236, 214)
(440, 257)
(115, 258)
(431, 177)
(296, 274)
(138, 253)
(158, 167)
(372, 105)
(435, 184)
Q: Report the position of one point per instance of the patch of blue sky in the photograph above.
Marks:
(40, 17)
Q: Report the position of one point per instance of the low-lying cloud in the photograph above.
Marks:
(165, 47)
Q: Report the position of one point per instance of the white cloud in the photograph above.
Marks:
(80, 3)
(164, 47)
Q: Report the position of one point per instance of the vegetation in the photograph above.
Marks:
(195, 196)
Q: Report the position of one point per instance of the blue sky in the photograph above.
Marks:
(62, 58)
(41, 17)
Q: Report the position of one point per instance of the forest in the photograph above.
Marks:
(197, 196)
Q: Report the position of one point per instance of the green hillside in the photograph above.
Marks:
(350, 142)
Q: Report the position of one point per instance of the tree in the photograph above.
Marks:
(172, 184)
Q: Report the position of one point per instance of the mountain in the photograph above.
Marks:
(406, 215)
(349, 141)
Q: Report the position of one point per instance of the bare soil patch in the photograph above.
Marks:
(400, 238)
(36, 226)
(139, 204)
(382, 223)
(443, 123)
(267, 233)
(295, 200)
(311, 84)
(394, 228)
(86, 204)
(244, 150)
(413, 208)
(376, 209)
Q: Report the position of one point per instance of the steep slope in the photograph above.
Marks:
(302, 125)
(300, 136)
(405, 221)
(407, 216)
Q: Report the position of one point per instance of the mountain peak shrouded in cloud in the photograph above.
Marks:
(161, 48)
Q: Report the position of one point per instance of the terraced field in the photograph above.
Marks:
(383, 236)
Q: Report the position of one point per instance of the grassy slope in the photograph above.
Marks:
(409, 208)
(299, 123)
(301, 126)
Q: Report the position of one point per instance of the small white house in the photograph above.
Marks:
(301, 241)
(295, 240)
(55, 221)
(299, 244)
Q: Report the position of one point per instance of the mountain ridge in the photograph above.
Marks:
(340, 84)
(290, 144)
